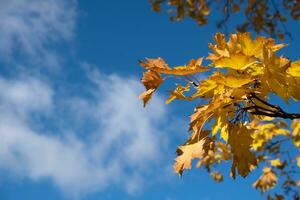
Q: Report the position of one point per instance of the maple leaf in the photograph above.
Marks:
(267, 180)
(187, 153)
(232, 81)
(196, 136)
(198, 119)
(274, 77)
(254, 47)
(146, 96)
(206, 88)
(177, 93)
(240, 141)
(221, 123)
(292, 87)
(220, 49)
(241, 44)
(203, 114)
(151, 81)
(294, 70)
(235, 61)
(159, 65)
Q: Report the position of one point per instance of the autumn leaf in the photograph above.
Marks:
(151, 80)
(294, 70)
(146, 96)
(266, 181)
(221, 124)
(240, 141)
(178, 93)
(235, 61)
(254, 47)
(205, 88)
(233, 81)
(187, 153)
(160, 66)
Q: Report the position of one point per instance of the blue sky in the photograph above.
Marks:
(71, 124)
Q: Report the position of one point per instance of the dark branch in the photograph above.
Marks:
(271, 111)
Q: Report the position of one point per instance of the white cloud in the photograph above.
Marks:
(82, 144)
(120, 148)
(25, 95)
(30, 27)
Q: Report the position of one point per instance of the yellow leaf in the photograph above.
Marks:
(203, 114)
(196, 136)
(206, 87)
(293, 87)
(178, 93)
(254, 47)
(278, 88)
(276, 162)
(274, 78)
(217, 126)
(216, 82)
(146, 96)
(294, 69)
(240, 141)
(298, 161)
(187, 153)
(224, 132)
(154, 63)
(221, 123)
(233, 81)
(256, 69)
(251, 47)
(267, 180)
(159, 65)
(235, 61)
(220, 42)
(241, 43)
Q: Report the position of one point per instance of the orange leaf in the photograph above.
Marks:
(151, 80)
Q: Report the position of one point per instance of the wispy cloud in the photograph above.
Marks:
(30, 28)
(121, 145)
(82, 143)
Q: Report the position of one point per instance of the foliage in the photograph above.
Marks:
(236, 120)
(267, 16)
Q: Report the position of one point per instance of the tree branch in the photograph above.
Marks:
(272, 111)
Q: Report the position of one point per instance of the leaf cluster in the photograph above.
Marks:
(261, 16)
(235, 120)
